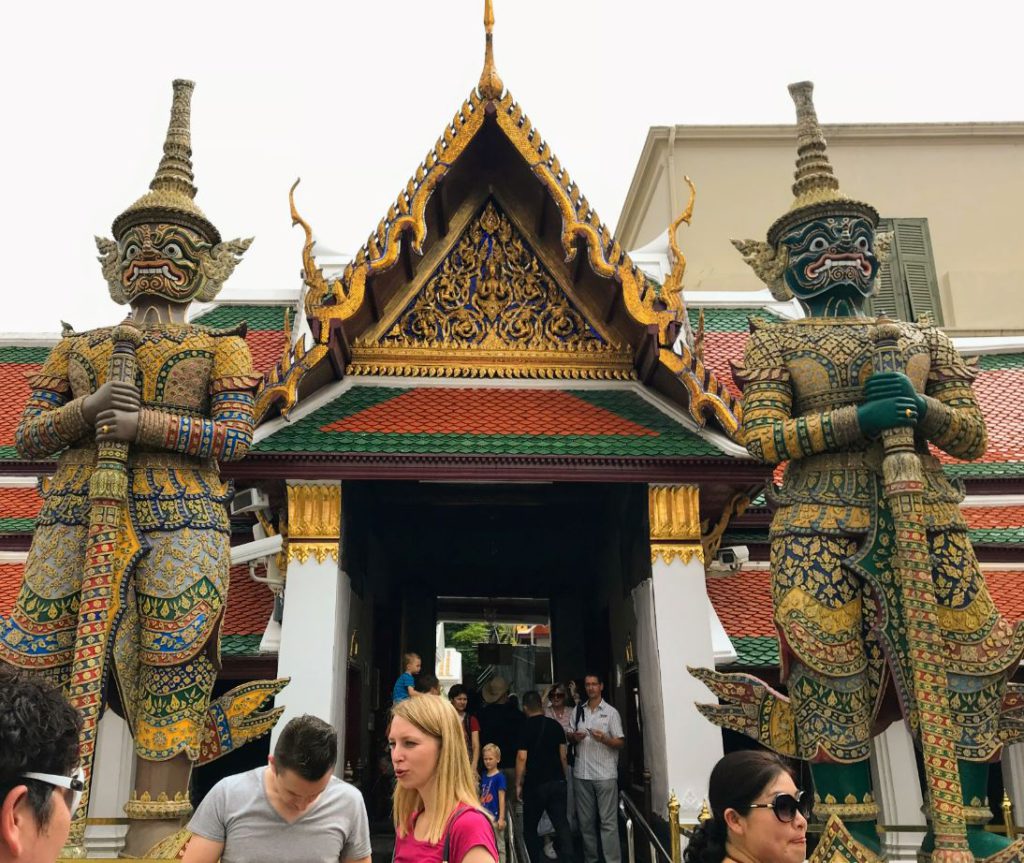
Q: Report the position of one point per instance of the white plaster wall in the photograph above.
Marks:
(689, 747)
(315, 617)
(897, 790)
(113, 775)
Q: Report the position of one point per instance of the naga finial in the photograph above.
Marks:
(312, 275)
(674, 282)
(491, 85)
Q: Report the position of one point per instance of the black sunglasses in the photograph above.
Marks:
(785, 806)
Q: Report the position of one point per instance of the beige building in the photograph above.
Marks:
(953, 191)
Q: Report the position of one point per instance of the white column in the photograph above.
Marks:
(674, 630)
(1013, 778)
(897, 790)
(314, 628)
(113, 766)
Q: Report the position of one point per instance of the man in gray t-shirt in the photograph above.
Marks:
(292, 810)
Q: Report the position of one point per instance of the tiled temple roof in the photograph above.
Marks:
(265, 334)
(489, 421)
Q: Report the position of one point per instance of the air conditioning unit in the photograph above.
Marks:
(249, 500)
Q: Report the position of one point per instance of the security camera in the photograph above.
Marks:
(249, 500)
(734, 555)
(730, 558)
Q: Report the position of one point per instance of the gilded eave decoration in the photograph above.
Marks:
(491, 309)
(648, 303)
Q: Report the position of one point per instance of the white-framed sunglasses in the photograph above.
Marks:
(74, 783)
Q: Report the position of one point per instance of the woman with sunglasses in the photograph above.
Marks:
(758, 815)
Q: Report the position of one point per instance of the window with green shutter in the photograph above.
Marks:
(907, 285)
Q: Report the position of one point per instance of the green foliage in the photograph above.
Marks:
(464, 637)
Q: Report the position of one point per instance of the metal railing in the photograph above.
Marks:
(632, 817)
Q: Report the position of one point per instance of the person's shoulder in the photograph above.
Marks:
(471, 818)
(342, 792)
(237, 781)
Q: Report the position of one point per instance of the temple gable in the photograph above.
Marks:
(491, 307)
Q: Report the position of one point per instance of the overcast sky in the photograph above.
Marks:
(350, 96)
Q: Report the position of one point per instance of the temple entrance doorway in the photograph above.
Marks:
(546, 571)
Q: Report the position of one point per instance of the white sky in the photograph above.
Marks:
(351, 96)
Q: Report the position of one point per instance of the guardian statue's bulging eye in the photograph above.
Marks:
(862, 244)
(131, 252)
(172, 250)
(818, 244)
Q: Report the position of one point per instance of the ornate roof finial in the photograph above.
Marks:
(814, 178)
(172, 192)
(491, 85)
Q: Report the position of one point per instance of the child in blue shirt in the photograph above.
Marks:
(492, 795)
(405, 686)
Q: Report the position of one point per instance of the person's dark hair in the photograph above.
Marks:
(531, 701)
(426, 681)
(600, 677)
(307, 746)
(736, 781)
(457, 690)
(38, 734)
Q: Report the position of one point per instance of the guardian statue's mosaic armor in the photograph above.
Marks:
(818, 397)
(187, 404)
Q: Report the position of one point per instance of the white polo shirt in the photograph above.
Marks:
(595, 760)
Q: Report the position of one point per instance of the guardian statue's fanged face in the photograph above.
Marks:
(161, 260)
(831, 256)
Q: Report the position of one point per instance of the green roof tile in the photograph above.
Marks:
(989, 362)
(746, 537)
(997, 535)
(985, 470)
(22, 354)
(755, 651)
(257, 317)
(669, 438)
(8, 453)
(729, 320)
(240, 645)
(17, 525)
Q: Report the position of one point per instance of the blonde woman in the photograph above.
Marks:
(436, 806)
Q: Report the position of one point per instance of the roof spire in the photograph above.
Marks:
(490, 86)
(171, 195)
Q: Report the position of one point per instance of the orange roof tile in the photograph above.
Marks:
(249, 604)
(1007, 589)
(722, 349)
(14, 393)
(20, 502)
(10, 582)
(266, 347)
(484, 411)
(999, 392)
(994, 516)
(743, 601)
